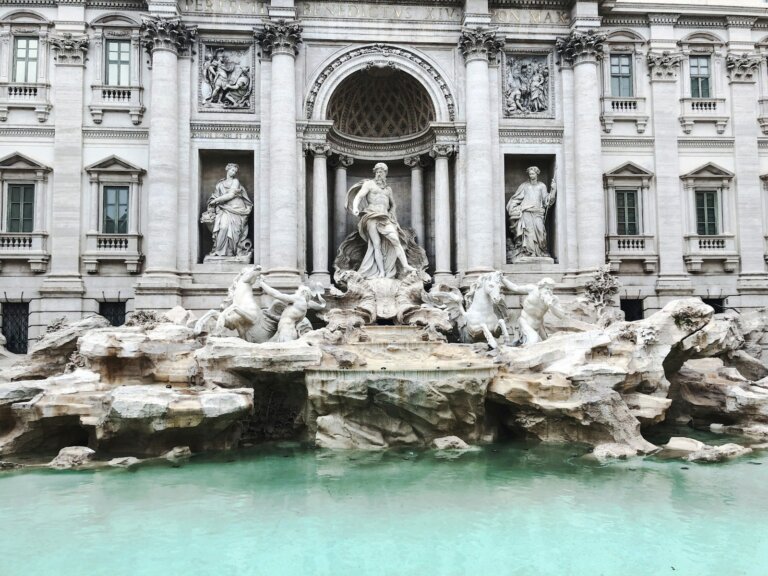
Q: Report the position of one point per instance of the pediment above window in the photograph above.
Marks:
(709, 170)
(628, 172)
(19, 162)
(114, 165)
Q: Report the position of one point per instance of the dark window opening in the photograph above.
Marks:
(632, 308)
(16, 326)
(113, 311)
(717, 303)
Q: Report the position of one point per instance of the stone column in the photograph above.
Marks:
(443, 240)
(280, 40)
(164, 38)
(663, 70)
(63, 288)
(417, 196)
(582, 50)
(476, 44)
(339, 200)
(320, 152)
(743, 73)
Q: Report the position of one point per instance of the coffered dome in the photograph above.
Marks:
(380, 103)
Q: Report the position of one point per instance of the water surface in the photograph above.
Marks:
(505, 510)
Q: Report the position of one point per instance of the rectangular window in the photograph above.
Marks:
(15, 326)
(21, 207)
(118, 62)
(25, 54)
(115, 210)
(627, 221)
(113, 311)
(621, 75)
(632, 308)
(707, 213)
(717, 303)
(700, 76)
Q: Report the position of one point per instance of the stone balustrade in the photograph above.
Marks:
(29, 246)
(719, 248)
(116, 99)
(632, 248)
(32, 96)
(125, 248)
(710, 110)
(623, 109)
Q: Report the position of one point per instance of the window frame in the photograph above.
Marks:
(8, 211)
(630, 75)
(637, 194)
(103, 207)
(704, 193)
(696, 80)
(26, 60)
(122, 82)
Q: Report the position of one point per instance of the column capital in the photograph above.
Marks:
(742, 68)
(317, 149)
(480, 43)
(345, 161)
(664, 66)
(280, 37)
(414, 161)
(70, 49)
(166, 33)
(442, 150)
(580, 47)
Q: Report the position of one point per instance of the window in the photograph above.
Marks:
(115, 210)
(113, 311)
(632, 308)
(118, 63)
(707, 213)
(16, 326)
(21, 208)
(627, 213)
(700, 76)
(25, 52)
(621, 75)
(717, 303)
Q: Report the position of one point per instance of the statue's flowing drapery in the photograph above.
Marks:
(230, 228)
(530, 235)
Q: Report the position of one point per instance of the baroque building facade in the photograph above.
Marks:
(149, 148)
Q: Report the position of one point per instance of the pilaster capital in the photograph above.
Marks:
(69, 49)
(280, 37)
(581, 47)
(166, 33)
(742, 67)
(317, 149)
(442, 150)
(480, 43)
(664, 66)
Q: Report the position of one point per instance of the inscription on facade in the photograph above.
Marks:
(245, 7)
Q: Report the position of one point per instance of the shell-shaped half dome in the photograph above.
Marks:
(380, 103)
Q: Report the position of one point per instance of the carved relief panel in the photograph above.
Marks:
(527, 85)
(226, 77)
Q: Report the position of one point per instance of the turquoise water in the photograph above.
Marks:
(502, 511)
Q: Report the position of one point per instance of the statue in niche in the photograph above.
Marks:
(527, 210)
(226, 81)
(526, 87)
(380, 248)
(539, 299)
(227, 218)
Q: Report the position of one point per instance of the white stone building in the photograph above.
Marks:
(118, 117)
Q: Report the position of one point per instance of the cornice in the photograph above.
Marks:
(225, 130)
(530, 135)
(27, 132)
(705, 143)
(663, 18)
(628, 143)
(115, 134)
(625, 20)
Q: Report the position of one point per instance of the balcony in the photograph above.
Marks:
(721, 248)
(29, 246)
(623, 109)
(632, 248)
(125, 248)
(25, 96)
(116, 99)
(711, 110)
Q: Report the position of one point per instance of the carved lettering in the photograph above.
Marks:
(225, 6)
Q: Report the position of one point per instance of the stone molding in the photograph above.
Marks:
(706, 143)
(531, 136)
(115, 134)
(740, 21)
(580, 47)
(664, 66)
(27, 132)
(280, 37)
(480, 43)
(629, 143)
(742, 68)
(166, 33)
(69, 49)
(388, 54)
(663, 18)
